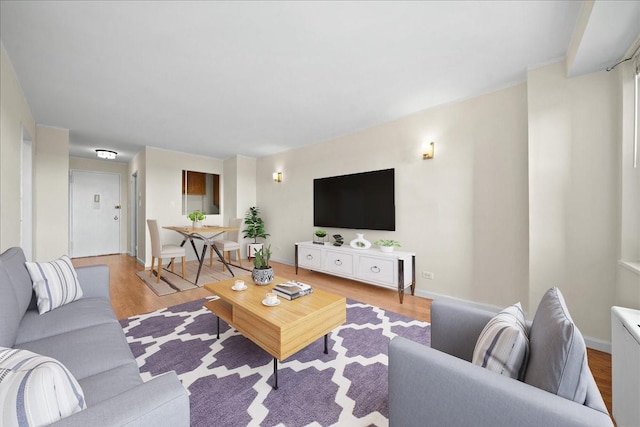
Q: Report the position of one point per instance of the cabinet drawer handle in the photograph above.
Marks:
(309, 256)
(375, 269)
(337, 262)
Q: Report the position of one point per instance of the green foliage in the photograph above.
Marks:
(321, 233)
(385, 242)
(196, 216)
(255, 225)
(262, 256)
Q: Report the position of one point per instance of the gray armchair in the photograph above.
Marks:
(438, 386)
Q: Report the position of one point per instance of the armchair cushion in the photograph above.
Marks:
(503, 344)
(558, 360)
(55, 283)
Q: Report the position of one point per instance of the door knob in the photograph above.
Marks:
(115, 217)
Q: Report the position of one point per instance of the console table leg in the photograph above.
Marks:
(275, 373)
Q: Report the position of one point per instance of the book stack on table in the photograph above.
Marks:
(292, 289)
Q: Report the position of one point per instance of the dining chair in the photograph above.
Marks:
(160, 251)
(231, 244)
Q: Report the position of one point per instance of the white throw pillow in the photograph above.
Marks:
(55, 283)
(36, 390)
(503, 345)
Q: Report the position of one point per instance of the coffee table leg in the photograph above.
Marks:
(326, 348)
(275, 373)
(218, 318)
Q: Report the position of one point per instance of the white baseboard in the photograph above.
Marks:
(594, 343)
(598, 344)
(480, 305)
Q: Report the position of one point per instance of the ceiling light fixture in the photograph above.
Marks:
(106, 154)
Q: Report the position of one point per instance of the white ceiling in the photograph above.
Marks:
(257, 78)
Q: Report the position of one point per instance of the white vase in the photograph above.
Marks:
(386, 248)
(197, 224)
(359, 242)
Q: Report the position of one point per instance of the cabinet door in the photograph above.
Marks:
(339, 262)
(377, 270)
(309, 257)
(196, 183)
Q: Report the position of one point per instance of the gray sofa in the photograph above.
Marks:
(86, 337)
(438, 386)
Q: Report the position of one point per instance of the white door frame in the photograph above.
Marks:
(133, 214)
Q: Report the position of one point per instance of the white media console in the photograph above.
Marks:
(395, 270)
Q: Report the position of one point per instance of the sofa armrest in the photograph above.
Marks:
(455, 327)
(427, 386)
(94, 281)
(162, 401)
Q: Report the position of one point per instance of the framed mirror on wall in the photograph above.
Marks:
(200, 191)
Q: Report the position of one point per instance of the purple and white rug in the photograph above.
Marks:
(230, 379)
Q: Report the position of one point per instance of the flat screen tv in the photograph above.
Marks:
(363, 201)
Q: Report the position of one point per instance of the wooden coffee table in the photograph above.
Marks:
(282, 330)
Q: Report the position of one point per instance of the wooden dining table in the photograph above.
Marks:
(206, 234)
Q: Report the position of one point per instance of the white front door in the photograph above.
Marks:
(95, 213)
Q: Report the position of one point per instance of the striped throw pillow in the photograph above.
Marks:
(36, 390)
(503, 345)
(55, 283)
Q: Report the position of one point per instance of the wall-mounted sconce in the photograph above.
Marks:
(277, 176)
(106, 154)
(428, 151)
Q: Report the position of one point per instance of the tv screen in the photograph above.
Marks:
(364, 201)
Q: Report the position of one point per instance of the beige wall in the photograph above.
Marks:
(628, 270)
(239, 178)
(464, 213)
(122, 169)
(574, 192)
(163, 192)
(51, 193)
(14, 115)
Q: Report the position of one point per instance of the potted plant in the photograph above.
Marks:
(262, 273)
(320, 236)
(387, 245)
(254, 230)
(197, 217)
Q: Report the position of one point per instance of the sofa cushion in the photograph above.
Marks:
(15, 291)
(105, 385)
(87, 351)
(80, 314)
(503, 344)
(558, 360)
(55, 283)
(36, 390)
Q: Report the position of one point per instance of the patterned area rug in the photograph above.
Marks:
(230, 379)
(173, 282)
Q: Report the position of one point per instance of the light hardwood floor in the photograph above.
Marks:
(130, 296)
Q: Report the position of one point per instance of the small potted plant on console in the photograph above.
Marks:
(319, 237)
(262, 273)
(387, 245)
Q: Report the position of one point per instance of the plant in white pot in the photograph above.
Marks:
(197, 217)
(262, 273)
(254, 230)
(387, 245)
